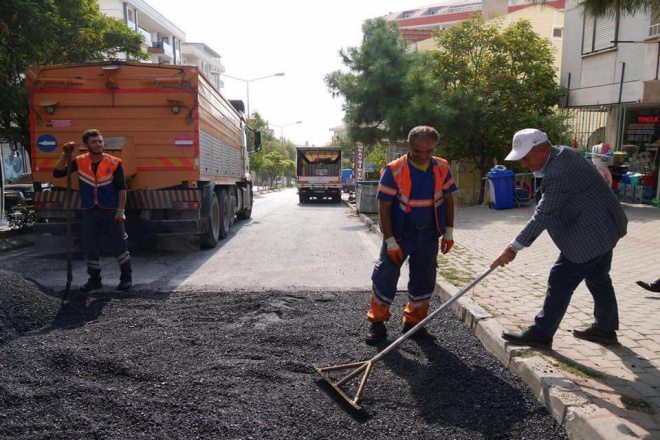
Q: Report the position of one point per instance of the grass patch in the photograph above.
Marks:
(577, 369)
(490, 309)
(454, 276)
(526, 353)
(637, 404)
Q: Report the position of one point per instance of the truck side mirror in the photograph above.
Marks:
(257, 141)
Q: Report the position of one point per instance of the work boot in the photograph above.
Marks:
(420, 335)
(125, 284)
(376, 334)
(595, 334)
(529, 337)
(92, 284)
(125, 279)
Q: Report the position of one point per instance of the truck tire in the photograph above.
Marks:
(302, 198)
(246, 213)
(211, 235)
(226, 213)
(337, 198)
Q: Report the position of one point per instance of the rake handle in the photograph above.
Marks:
(450, 301)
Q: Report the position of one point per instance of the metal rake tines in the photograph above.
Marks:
(358, 367)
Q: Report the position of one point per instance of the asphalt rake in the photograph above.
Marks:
(364, 368)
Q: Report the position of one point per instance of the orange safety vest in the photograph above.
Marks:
(96, 189)
(401, 174)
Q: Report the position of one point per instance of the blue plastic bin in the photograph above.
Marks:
(502, 188)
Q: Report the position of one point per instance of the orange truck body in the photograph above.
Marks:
(182, 144)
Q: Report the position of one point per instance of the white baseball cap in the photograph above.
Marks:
(524, 141)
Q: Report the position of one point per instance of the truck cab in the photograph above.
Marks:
(318, 173)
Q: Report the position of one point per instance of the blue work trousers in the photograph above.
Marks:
(564, 278)
(420, 245)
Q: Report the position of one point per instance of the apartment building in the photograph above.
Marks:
(611, 73)
(162, 38)
(208, 60)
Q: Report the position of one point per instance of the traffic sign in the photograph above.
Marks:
(47, 143)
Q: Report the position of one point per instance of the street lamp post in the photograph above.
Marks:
(247, 85)
(282, 127)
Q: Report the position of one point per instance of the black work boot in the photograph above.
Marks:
(92, 284)
(376, 334)
(420, 335)
(125, 279)
(651, 286)
(595, 334)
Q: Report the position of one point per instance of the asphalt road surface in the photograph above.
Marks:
(234, 361)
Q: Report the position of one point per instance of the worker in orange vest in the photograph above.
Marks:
(416, 208)
(103, 201)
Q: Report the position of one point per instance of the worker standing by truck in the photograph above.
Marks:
(416, 208)
(103, 201)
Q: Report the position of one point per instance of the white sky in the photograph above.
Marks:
(301, 38)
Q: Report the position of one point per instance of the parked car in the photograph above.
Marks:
(19, 189)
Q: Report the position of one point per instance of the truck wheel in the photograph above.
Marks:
(211, 235)
(246, 213)
(225, 213)
(337, 198)
(302, 198)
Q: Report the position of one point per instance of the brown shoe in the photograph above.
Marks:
(595, 334)
(529, 337)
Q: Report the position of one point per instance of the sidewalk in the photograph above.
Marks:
(596, 392)
(623, 380)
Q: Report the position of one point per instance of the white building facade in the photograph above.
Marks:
(610, 67)
(208, 61)
(162, 38)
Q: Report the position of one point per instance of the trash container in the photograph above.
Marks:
(365, 197)
(501, 188)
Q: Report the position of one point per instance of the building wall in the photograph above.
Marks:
(596, 78)
(544, 20)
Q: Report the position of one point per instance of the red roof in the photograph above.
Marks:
(557, 5)
(415, 35)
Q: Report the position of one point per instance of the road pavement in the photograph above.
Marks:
(284, 246)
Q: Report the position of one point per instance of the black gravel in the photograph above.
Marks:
(23, 306)
(238, 366)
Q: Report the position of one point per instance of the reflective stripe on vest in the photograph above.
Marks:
(96, 188)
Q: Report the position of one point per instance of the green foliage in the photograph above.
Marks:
(373, 89)
(22, 217)
(376, 154)
(277, 156)
(478, 89)
(605, 7)
(39, 32)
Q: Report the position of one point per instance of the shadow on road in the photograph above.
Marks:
(465, 403)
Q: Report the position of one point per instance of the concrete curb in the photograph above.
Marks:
(15, 241)
(568, 404)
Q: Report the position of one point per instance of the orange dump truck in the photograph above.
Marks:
(183, 146)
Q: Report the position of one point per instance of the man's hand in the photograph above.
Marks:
(120, 216)
(506, 257)
(447, 241)
(394, 251)
(68, 148)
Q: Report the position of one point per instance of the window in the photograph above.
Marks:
(654, 28)
(599, 33)
(557, 32)
(131, 15)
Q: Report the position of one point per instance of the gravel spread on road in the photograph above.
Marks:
(23, 306)
(221, 365)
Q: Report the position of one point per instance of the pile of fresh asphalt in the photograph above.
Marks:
(23, 306)
(238, 366)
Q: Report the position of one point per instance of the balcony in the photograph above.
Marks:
(162, 48)
(146, 35)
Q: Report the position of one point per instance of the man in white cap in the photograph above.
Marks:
(585, 221)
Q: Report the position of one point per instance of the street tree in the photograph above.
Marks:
(37, 32)
(607, 7)
(492, 83)
(373, 86)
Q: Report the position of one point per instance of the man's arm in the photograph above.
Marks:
(120, 185)
(60, 166)
(385, 218)
(449, 210)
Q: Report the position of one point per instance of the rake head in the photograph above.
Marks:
(357, 369)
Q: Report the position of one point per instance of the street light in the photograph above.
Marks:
(247, 85)
(282, 127)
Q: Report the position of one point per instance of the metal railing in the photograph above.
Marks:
(654, 30)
